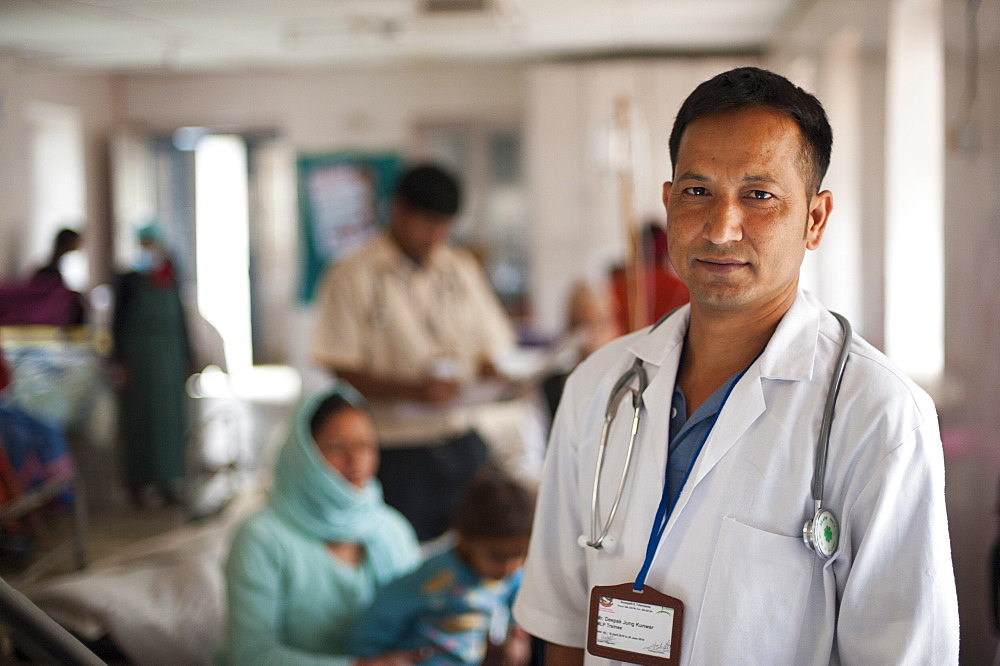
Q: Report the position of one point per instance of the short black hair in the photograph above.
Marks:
(332, 405)
(65, 240)
(431, 188)
(494, 505)
(747, 87)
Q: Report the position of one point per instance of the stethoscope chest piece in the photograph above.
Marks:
(822, 533)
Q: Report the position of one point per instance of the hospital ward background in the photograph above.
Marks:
(248, 147)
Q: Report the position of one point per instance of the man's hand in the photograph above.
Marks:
(430, 389)
(488, 370)
(438, 390)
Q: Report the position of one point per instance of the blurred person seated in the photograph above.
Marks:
(6, 376)
(590, 324)
(301, 570)
(44, 299)
(456, 607)
(590, 319)
(664, 290)
(49, 278)
(66, 241)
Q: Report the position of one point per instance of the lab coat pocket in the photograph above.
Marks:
(755, 598)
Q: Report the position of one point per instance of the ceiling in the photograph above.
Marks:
(191, 35)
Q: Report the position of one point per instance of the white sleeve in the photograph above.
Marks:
(899, 603)
(340, 324)
(553, 600)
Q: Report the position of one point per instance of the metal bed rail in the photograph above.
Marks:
(37, 497)
(37, 635)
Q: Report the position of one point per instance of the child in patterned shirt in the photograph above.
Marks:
(456, 605)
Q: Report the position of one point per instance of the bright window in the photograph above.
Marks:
(914, 268)
(222, 223)
(57, 179)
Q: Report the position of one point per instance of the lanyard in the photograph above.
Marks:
(663, 512)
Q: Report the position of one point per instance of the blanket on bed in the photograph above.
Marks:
(161, 601)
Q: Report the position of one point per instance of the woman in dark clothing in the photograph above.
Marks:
(153, 359)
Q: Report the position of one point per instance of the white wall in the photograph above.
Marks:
(972, 317)
(839, 257)
(566, 111)
(914, 190)
(93, 96)
(967, 405)
(313, 111)
(972, 223)
(371, 108)
(836, 50)
(577, 227)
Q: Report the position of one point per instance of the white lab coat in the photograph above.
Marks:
(732, 550)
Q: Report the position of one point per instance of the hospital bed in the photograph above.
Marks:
(55, 388)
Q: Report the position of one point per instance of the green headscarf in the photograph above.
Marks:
(149, 232)
(317, 500)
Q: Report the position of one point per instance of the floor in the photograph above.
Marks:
(107, 532)
(232, 436)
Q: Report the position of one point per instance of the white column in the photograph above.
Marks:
(222, 249)
(914, 302)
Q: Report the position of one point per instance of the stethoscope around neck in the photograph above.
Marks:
(821, 533)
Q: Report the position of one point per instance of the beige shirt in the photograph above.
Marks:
(379, 313)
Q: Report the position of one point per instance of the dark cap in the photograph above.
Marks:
(431, 188)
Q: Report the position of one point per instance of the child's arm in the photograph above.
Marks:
(516, 647)
(514, 651)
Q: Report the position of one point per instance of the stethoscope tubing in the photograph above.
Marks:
(823, 443)
(637, 371)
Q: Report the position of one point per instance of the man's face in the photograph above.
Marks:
(418, 232)
(739, 218)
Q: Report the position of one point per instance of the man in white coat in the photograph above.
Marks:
(704, 561)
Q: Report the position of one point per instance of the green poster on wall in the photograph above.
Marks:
(344, 198)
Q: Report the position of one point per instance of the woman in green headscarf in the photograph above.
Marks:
(302, 569)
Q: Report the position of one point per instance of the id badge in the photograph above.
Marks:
(637, 627)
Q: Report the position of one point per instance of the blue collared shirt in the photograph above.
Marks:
(688, 434)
